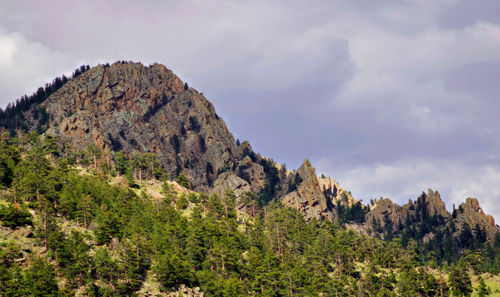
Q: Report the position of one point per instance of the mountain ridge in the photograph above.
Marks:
(147, 109)
(136, 187)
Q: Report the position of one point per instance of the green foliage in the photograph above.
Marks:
(351, 214)
(413, 282)
(182, 180)
(271, 187)
(15, 215)
(482, 289)
(174, 270)
(121, 163)
(193, 198)
(73, 257)
(182, 202)
(459, 281)
(269, 251)
(168, 193)
(9, 157)
(40, 279)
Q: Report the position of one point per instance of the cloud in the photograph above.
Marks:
(407, 72)
(27, 65)
(392, 89)
(7, 50)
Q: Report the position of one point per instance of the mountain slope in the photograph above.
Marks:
(86, 210)
(130, 107)
(133, 108)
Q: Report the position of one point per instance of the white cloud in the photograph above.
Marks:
(7, 50)
(383, 66)
(27, 65)
(400, 75)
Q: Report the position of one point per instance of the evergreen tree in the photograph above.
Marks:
(482, 289)
(459, 281)
(40, 279)
(182, 180)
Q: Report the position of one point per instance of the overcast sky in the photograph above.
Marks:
(390, 98)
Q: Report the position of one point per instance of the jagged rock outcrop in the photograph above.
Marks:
(384, 212)
(429, 206)
(131, 107)
(471, 213)
(433, 204)
(249, 169)
(308, 198)
(230, 181)
(332, 190)
(428, 216)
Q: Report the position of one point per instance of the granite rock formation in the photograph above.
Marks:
(131, 107)
(472, 214)
(308, 198)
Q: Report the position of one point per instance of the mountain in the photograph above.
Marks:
(136, 186)
(133, 108)
(428, 216)
(130, 107)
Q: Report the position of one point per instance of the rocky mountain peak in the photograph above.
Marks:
(335, 192)
(471, 213)
(136, 108)
(384, 212)
(307, 172)
(433, 204)
(308, 197)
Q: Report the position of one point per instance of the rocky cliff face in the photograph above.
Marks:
(471, 213)
(433, 204)
(130, 107)
(308, 197)
(230, 181)
(385, 212)
(428, 213)
(428, 205)
(333, 191)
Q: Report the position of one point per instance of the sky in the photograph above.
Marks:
(389, 98)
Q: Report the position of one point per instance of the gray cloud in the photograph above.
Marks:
(389, 97)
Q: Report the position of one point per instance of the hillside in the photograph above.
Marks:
(136, 185)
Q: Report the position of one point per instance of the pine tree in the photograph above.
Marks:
(121, 163)
(40, 279)
(483, 289)
(182, 180)
(459, 281)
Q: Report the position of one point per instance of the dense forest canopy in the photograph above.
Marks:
(89, 224)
